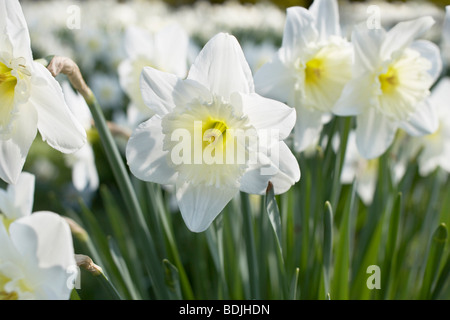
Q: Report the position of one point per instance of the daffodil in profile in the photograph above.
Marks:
(310, 69)
(212, 135)
(36, 252)
(392, 76)
(37, 258)
(31, 100)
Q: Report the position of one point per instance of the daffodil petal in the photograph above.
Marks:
(13, 24)
(145, 155)
(351, 158)
(307, 128)
(17, 201)
(77, 105)
(374, 133)
(57, 283)
(157, 90)
(56, 123)
(431, 52)
(254, 181)
(277, 165)
(50, 242)
(84, 171)
(14, 151)
(299, 31)
(274, 80)
(8, 252)
(366, 189)
(354, 97)
(268, 114)
(222, 68)
(326, 15)
(403, 34)
(200, 205)
(44, 240)
(288, 170)
(424, 121)
(439, 96)
(367, 43)
(162, 91)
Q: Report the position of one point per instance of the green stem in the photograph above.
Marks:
(250, 245)
(124, 183)
(158, 206)
(327, 245)
(344, 130)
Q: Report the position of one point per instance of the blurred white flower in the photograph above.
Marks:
(392, 76)
(258, 54)
(364, 171)
(31, 99)
(435, 148)
(129, 118)
(166, 50)
(107, 90)
(387, 14)
(17, 200)
(215, 101)
(36, 258)
(84, 172)
(310, 69)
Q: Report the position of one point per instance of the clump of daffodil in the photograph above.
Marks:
(310, 69)
(392, 76)
(31, 100)
(212, 135)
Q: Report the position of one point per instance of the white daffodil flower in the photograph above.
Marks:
(212, 135)
(166, 50)
(17, 200)
(435, 148)
(36, 258)
(84, 171)
(310, 69)
(392, 76)
(30, 99)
